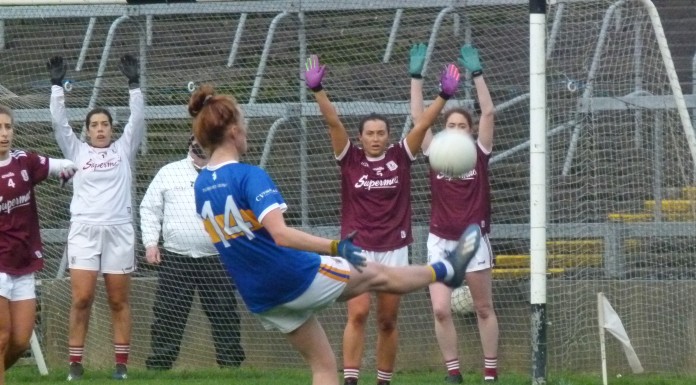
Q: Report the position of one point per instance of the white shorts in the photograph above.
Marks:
(17, 287)
(398, 257)
(107, 249)
(327, 286)
(438, 247)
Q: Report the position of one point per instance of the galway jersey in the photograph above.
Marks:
(461, 201)
(20, 240)
(376, 197)
(233, 198)
(102, 184)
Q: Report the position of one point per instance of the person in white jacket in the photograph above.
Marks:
(101, 237)
(188, 262)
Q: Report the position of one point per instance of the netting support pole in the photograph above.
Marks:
(392, 35)
(2, 35)
(433, 36)
(587, 93)
(304, 137)
(269, 141)
(672, 76)
(38, 354)
(264, 56)
(85, 44)
(537, 186)
(658, 151)
(638, 81)
(237, 39)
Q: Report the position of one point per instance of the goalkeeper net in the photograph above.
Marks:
(620, 206)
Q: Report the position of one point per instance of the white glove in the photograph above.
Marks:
(66, 173)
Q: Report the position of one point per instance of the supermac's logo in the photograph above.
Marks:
(8, 206)
(101, 165)
(469, 175)
(369, 184)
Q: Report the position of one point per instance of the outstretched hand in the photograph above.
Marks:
(469, 59)
(449, 81)
(130, 69)
(417, 60)
(56, 69)
(351, 253)
(314, 73)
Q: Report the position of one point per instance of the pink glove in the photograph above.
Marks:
(449, 81)
(314, 73)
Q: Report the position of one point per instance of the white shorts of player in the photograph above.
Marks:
(106, 249)
(327, 286)
(398, 257)
(438, 247)
(17, 287)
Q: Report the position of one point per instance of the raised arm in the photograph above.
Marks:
(449, 81)
(314, 73)
(415, 70)
(66, 138)
(470, 59)
(135, 128)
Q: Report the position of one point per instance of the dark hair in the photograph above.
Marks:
(4, 110)
(462, 111)
(212, 115)
(373, 116)
(98, 110)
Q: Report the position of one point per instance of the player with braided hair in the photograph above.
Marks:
(456, 203)
(285, 275)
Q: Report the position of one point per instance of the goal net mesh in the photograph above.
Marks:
(620, 209)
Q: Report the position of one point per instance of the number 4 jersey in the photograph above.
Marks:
(20, 241)
(233, 198)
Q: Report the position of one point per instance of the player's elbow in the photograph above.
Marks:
(281, 236)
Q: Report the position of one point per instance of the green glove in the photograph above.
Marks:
(469, 59)
(415, 65)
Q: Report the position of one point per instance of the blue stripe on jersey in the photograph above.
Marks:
(230, 199)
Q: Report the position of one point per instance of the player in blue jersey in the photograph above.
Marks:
(285, 275)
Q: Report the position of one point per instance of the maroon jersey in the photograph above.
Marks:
(376, 197)
(459, 202)
(20, 240)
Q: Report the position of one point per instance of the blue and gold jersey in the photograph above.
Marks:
(232, 198)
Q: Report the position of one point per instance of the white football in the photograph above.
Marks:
(462, 303)
(452, 152)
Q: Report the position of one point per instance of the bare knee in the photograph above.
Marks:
(82, 302)
(4, 341)
(118, 305)
(484, 310)
(442, 313)
(386, 324)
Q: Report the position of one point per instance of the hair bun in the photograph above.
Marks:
(200, 98)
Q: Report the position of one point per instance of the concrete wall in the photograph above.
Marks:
(663, 334)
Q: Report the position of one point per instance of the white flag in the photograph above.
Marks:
(613, 324)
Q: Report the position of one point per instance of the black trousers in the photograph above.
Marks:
(179, 278)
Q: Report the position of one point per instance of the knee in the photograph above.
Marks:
(20, 347)
(386, 324)
(4, 341)
(484, 310)
(442, 313)
(82, 302)
(358, 317)
(118, 305)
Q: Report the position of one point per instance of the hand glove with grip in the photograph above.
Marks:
(67, 173)
(56, 70)
(417, 60)
(469, 59)
(449, 81)
(346, 249)
(314, 73)
(130, 69)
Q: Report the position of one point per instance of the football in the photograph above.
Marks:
(452, 152)
(462, 303)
